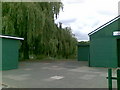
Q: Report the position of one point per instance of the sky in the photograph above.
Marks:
(84, 16)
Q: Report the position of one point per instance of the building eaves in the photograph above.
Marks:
(104, 25)
(10, 37)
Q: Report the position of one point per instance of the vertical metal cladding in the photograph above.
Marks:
(103, 45)
(10, 52)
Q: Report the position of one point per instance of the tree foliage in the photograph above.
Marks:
(34, 21)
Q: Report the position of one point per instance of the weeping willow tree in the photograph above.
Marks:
(34, 21)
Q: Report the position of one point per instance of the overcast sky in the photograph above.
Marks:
(84, 16)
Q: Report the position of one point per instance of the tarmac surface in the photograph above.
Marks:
(58, 74)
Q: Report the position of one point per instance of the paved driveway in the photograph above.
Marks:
(59, 74)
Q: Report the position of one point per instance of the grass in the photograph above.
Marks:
(44, 58)
(47, 60)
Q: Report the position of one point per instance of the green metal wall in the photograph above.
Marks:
(9, 53)
(83, 52)
(103, 47)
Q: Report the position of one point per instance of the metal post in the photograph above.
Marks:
(118, 79)
(110, 79)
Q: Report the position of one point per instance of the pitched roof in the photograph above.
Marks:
(10, 37)
(104, 25)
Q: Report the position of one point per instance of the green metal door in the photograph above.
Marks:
(83, 52)
(118, 47)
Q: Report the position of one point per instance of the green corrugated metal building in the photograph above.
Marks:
(83, 52)
(104, 46)
(9, 47)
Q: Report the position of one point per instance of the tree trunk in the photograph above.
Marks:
(25, 48)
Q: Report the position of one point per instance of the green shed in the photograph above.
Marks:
(83, 52)
(105, 45)
(9, 47)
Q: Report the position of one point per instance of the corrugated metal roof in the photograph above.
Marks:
(104, 25)
(10, 37)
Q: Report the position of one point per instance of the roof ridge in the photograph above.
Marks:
(102, 26)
